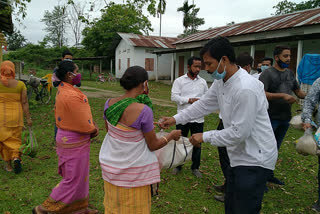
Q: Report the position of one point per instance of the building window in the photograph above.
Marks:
(149, 64)
(128, 62)
(119, 65)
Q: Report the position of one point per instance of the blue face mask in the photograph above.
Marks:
(282, 64)
(264, 67)
(216, 75)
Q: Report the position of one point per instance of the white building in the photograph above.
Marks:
(134, 49)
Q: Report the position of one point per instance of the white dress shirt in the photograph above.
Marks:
(184, 88)
(247, 132)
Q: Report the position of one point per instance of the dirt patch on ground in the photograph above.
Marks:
(101, 93)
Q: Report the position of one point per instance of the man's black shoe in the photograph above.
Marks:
(275, 181)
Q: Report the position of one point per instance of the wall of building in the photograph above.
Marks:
(137, 56)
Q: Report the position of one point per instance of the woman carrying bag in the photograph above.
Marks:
(13, 103)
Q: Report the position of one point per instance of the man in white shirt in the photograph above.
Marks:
(247, 132)
(186, 90)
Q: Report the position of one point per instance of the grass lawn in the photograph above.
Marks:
(178, 194)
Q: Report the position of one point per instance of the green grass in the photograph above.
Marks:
(178, 194)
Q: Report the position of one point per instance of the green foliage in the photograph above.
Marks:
(190, 20)
(55, 25)
(285, 6)
(39, 57)
(101, 37)
(15, 40)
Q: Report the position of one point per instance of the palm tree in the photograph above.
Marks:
(161, 10)
(186, 10)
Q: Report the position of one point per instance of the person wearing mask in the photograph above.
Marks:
(75, 130)
(130, 168)
(266, 63)
(186, 90)
(245, 61)
(279, 83)
(247, 132)
(13, 104)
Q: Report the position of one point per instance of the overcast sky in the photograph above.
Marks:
(215, 13)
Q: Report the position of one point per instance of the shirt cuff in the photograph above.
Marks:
(186, 100)
(307, 121)
(206, 137)
(178, 119)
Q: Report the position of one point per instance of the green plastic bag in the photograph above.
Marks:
(30, 145)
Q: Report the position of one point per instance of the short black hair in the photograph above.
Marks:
(133, 77)
(267, 59)
(279, 48)
(66, 52)
(63, 68)
(191, 59)
(244, 59)
(218, 47)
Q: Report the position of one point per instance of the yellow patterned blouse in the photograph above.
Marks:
(11, 113)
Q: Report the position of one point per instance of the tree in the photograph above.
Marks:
(161, 10)
(75, 17)
(190, 20)
(100, 37)
(16, 40)
(285, 6)
(55, 25)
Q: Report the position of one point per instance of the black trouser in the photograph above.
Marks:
(223, 154)
(245, 189)
(196, 153)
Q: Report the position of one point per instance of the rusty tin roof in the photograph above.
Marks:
(148, 41)
(292, 20)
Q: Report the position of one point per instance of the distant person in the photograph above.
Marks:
(245, 61)
(75, 130)
(130, 168)
(247, 132)
(13, 104)
(257, 74)
(279, 83)
(266, 63)
(186, 90)
(311, 102)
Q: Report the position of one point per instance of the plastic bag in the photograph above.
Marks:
(175, 153)
(30, 145)
(296, 122)
(306, 144)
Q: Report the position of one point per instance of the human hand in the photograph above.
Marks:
(175, 134)
(306, 126)
(289, 98)
(192, 100)
(166, 122)
(196, 139)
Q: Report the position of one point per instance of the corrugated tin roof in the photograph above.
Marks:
(292, 20)
(148, 41)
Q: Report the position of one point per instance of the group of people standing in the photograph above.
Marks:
(254, 118)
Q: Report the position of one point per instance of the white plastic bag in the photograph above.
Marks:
(306, 144)
(175, 153)
(296, 122)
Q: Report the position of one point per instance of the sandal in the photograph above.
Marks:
(17, 166)
(38, 208)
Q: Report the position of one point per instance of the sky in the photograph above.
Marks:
(215, 13)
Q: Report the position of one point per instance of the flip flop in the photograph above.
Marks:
(17, 166)
(8, 170)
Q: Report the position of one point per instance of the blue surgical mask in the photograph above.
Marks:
(264, 67)
(282, 64)
(216, 75)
